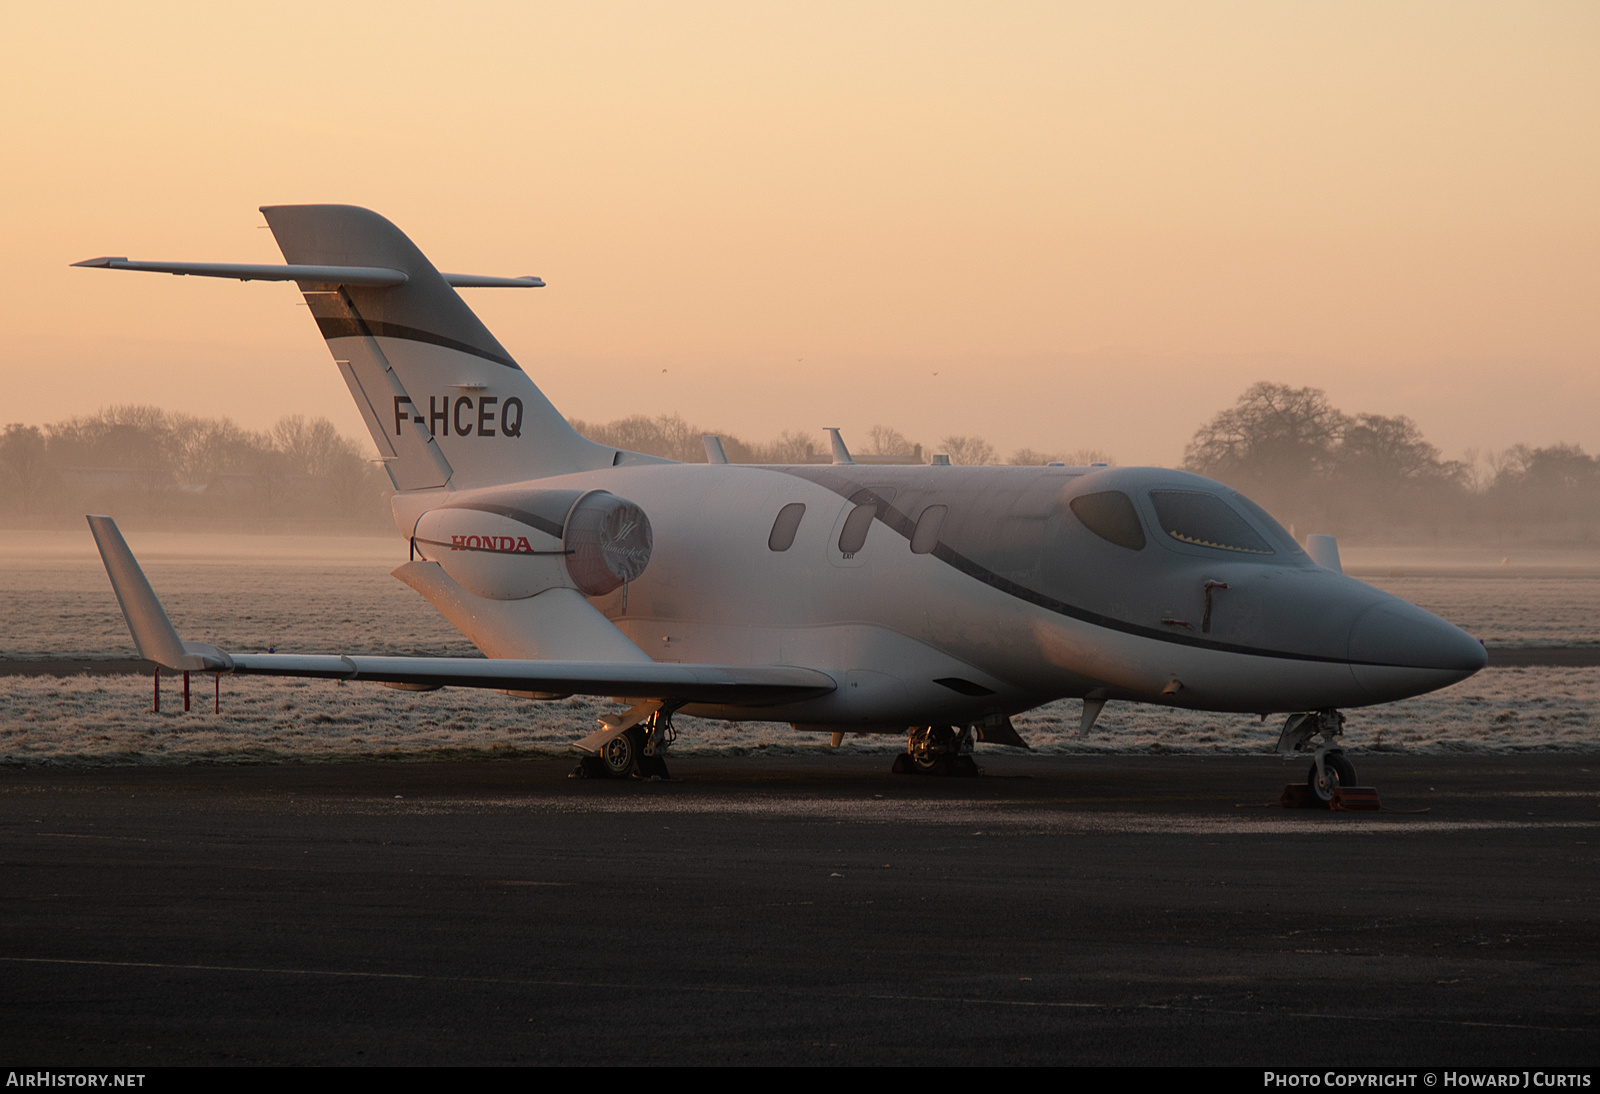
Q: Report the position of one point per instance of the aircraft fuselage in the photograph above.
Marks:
(1008, 602)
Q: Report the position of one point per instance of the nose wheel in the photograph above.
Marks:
(1328, 776)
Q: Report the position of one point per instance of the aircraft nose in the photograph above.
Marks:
(1404, 635)
(1398, 649)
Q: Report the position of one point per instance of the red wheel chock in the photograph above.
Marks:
(1346, 799)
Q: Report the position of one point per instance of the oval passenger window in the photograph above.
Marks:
(926, 537)
(856, 526)
(785, 527)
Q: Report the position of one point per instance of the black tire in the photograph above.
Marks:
(620, 755)
(1340, 772)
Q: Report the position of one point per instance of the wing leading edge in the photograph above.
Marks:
(736, 685)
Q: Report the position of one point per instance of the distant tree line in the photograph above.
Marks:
(144, 464)
(1366, 475)
(1313, 466)
(670, 436)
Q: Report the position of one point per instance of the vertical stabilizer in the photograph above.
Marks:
(445, 403)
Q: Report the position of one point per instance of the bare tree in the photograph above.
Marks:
(968, 450)
(792, 446)
(203, 448)
(1273, 432)
(890, 442)
(22, 454)
(1078, 457)
(668, 436)
(1389, 449)
(311, 448)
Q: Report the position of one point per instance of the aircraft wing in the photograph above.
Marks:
(739, 685)
(158, 641)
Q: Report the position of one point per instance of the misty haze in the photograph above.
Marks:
(1367, 478)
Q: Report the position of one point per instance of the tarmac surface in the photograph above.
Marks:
(1060, 910)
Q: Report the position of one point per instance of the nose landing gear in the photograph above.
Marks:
(1331, 780)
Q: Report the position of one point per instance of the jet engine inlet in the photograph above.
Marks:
(608, 542)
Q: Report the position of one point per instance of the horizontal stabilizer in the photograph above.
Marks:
(377, 277)
(483, 281)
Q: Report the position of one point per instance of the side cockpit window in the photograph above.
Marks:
(785, 527)
(1110, 515)
(1205, 520)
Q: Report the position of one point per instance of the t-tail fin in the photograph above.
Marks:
(446, 404)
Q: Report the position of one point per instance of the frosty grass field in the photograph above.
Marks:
(326, 595)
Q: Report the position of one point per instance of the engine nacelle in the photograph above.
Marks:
(510, 543)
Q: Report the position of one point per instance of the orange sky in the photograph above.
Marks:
(1053, 225)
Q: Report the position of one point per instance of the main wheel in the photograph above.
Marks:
(622, 752)
(1339, 772)
(932, 745)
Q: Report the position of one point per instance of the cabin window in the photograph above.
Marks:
(926, 537)
(856, 526)
(785, 527)
(1109, 514)
(1205, 520)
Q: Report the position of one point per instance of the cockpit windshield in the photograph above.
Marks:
(1275, 531)
(1205, 520)
(1111, 516)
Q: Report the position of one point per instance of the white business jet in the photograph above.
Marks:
(932, 601)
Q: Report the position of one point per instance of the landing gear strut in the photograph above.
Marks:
(938, 750)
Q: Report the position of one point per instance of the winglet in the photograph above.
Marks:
(152, 631)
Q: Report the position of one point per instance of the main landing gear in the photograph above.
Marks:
(1331, 780)
(938, 750)
(638, 752)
